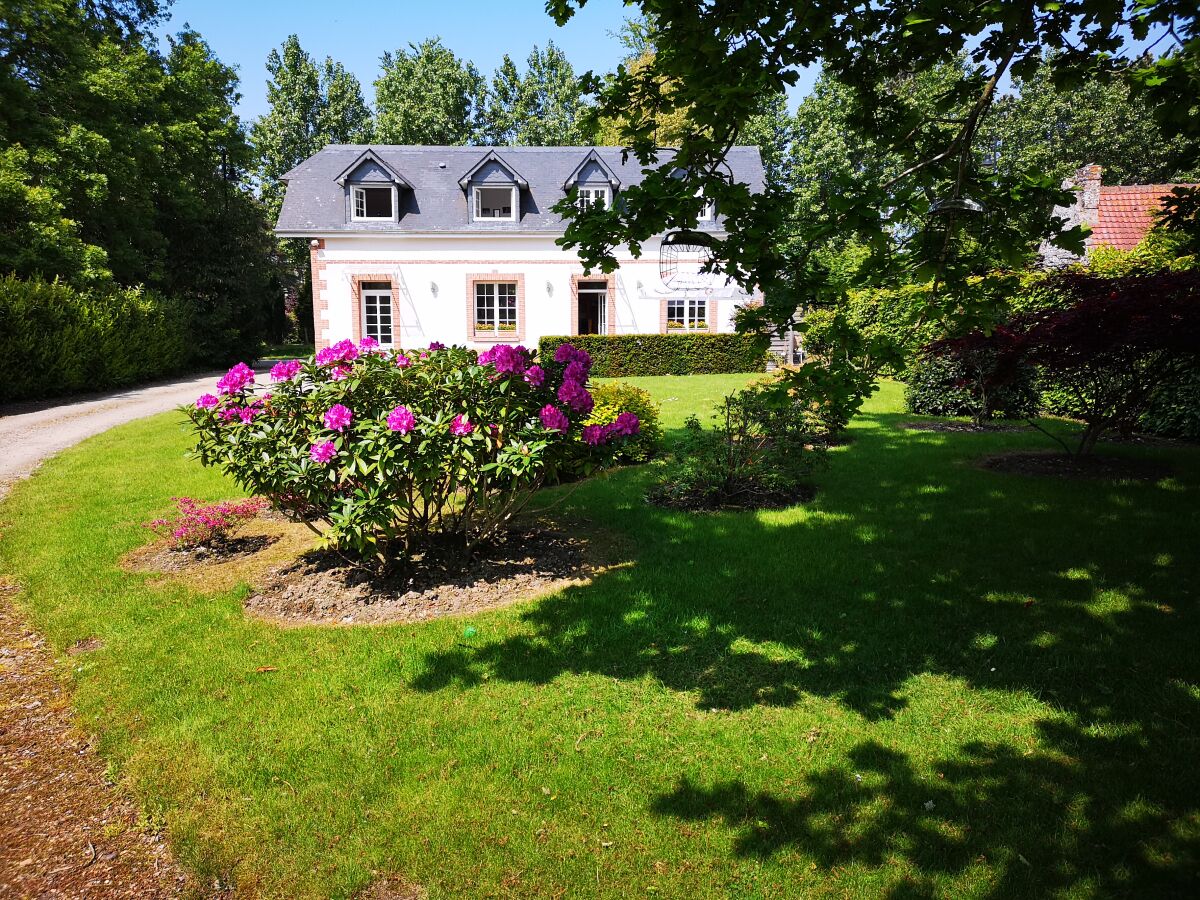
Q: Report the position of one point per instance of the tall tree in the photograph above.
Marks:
(426, 95)
(291, 130)
(544, 107)
(345, 117)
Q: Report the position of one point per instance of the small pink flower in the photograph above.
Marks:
(206, 401)
(535, 376)
(461, 426)
(402, 361)
(323, 452)
(236, 379)
(247, 414)
(401, 420)
(368, 344)
(285, 371)
(595, 434)
(626, 424)
(554, 419)
(436, 345)
(227, 414)
(339, 373)
(337, 417)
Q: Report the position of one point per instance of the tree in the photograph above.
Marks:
(544, 107)
(345, 117)
(426, 95)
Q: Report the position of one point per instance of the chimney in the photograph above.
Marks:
(1085, 210)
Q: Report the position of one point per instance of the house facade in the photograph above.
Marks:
(411, 245)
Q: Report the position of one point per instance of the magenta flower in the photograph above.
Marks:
(535, 376)
(461, 426)
(236, 379)
(368, 344)
(564, 354)
(401, 420)
(341, 352)
(575, 372)
(576, 396)
(554, 419)
(227, 414)
(626, 424)
(285, 371)
(247, 414)
(206, 401)
(323, 452)
(505, 359)
(436, 345)
(340, 373)
(595, 435)
(402, 361)
(337, 417)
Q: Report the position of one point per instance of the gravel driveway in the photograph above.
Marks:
(31, 432)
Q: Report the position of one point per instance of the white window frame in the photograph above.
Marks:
(477, 203)
(358, 190)
(489, 291)
(587, 195)
(709, 213)
(377, 294)
(694, 316)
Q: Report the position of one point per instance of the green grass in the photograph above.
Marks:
(276, 352)
(934, 680)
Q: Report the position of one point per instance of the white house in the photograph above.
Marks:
(457, 244)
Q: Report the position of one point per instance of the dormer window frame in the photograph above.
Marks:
(477, 202)
(587, 194)
(359, 188)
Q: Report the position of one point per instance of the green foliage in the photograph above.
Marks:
(1174, 409)
(615, 397)
(759, 453)
(1159, 251)
(542, 107)
(55, 339)
(939, 385)
(426, 95)
(616, 356)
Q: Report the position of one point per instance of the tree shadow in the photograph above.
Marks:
(912, 562)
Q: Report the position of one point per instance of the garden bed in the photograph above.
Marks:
(955, 427)
(1048, 463)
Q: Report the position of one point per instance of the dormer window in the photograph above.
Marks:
(374, 203)
(593, 198)
(709, 212)
(497, 202)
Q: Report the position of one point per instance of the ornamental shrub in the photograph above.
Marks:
(392, 452)
(628, 355)
(195, 524)
(759, 454)
(56, 340)
(941, 384)
(616, 397)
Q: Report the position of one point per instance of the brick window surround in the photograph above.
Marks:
(710, 319)
(610, 312)
(357, 305)
(495, 337)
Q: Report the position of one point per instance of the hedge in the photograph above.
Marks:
(623, 355)
(56, 340)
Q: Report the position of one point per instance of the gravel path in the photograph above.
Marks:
(31, 432)
(64, 831)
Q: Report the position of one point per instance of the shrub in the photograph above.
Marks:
(941, 384)
(393, 452)
(627, 355)
(758, 455)
(55, 339)
(195, 524)
(616, 397)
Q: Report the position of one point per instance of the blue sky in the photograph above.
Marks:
(357, 32)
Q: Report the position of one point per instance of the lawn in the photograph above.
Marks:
(933, 680)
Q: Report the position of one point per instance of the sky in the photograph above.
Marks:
(357, 32)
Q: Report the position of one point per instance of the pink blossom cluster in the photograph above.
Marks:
(196, 523)
(236, 380)
(340, 354)
(554, 419)
(506, 359)
(337, 417)
(461, 426)
(207, 401)
(436, 345)
(577, 365)
(322, 452)
(368, 344)
(402, 361)
(576, 396)
(286, 370)
(625, 425)
(401, 420)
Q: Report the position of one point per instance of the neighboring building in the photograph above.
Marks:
(457, 244)
(1118, 215)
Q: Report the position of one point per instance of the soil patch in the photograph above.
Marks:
(1048, 463)
(392, 889)
(667, 496)
(64, 829)
(964, 427)
(322, 587)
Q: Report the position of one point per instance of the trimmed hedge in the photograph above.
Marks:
(623, 355)
(941, 386)
(55, 340)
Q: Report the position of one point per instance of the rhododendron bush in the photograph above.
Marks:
(392, 450)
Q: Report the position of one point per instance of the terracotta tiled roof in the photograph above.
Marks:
(1126, 212)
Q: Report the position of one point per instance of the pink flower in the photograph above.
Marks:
(236, 379)
(341, 352)
(505, 359)
(575, 372)
(401, 419)
(436, 345)
(626, 424)
(247, 414)
(285, 371)
(554, 419)
(323, 452)
(402, 361)
(595, 434)
(206, 401)
(567, 354)
(576, 396)
(535, 376)
(337, 417)
(461, 426)
(227, 414)
(368, 344)
(340, 373)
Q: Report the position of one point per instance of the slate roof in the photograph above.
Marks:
(1126, 213)
(315, 204)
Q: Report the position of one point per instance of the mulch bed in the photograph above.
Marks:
(668, 498)
(64, 829)
(963, 427)
(323, 587)
(161, 557)
(1048, 463)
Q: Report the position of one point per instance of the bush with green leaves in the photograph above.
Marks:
(629, 355)
(616, 397)
(759, 454)
(56, 339)
(393, 452)
(946, 385)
